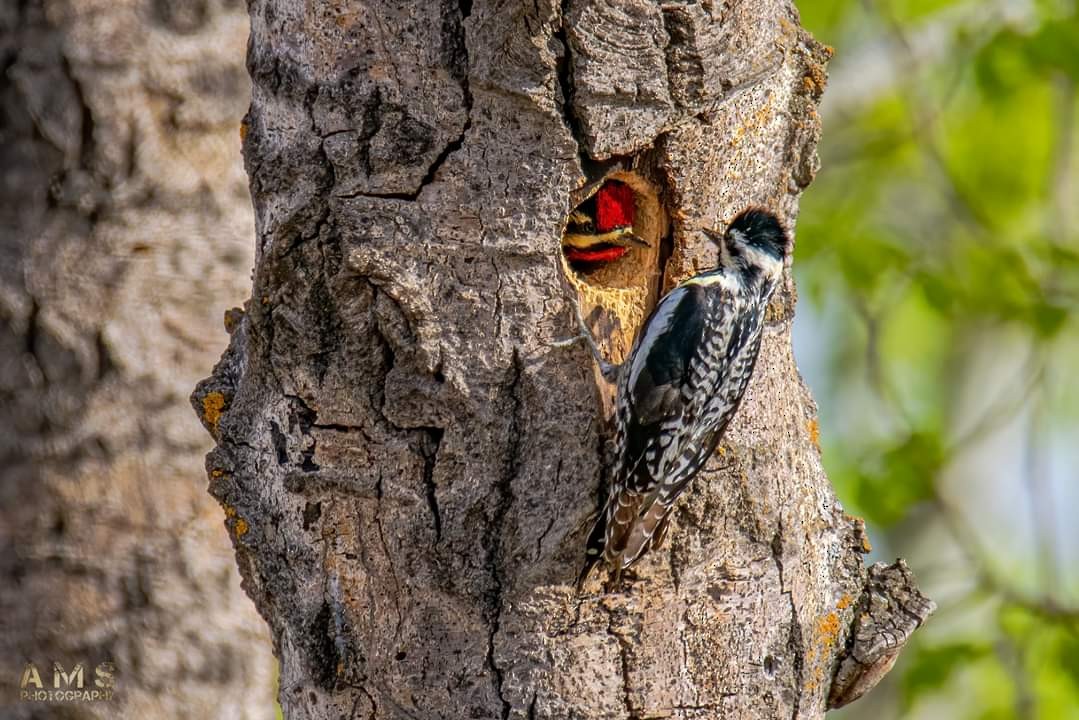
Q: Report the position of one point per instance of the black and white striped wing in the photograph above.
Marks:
(654, 388)
(675, 368)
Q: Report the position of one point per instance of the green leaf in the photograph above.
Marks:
(1049, 319)
(932, 668)
(1053, 47)
(897, 478)
(1069, 659)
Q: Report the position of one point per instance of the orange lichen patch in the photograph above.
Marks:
(233, 520)
(213, 403)
(739, 133)
(828, 629)
(866, 547)
(764, 113)
(813, 82)
(844, 602)
(813, 426)
(243, 131)
(819, 654)
(217, 473)
(816, 78)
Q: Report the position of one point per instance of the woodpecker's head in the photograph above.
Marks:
(600, 229)
(755, 239)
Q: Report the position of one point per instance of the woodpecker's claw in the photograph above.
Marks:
(609, 371)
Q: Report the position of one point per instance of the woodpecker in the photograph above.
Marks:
(600, 229)
(680, 386)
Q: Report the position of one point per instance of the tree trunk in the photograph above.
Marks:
(125, 224)
(410, 467)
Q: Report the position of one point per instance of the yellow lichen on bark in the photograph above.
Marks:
(814, 432)
(828, 628)
(238, 525)
(820, 651)
(213, 403)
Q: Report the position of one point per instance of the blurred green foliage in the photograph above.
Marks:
(938, 263)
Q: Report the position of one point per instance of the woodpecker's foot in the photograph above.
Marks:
(608, 370)
(566, 342)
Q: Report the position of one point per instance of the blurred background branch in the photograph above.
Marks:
(939, 271)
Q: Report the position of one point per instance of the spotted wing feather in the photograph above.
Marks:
(674, 369)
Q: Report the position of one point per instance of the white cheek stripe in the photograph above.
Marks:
(769, 264)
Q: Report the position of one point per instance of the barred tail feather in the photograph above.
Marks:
(594, 549)
(648, 529)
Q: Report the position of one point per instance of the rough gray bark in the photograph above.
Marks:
(125, 224)
(410, 467)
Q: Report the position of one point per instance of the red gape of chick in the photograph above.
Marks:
(615, 208)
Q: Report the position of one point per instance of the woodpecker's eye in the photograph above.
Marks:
(600, 230)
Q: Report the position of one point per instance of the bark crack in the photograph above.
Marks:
(681, 58)
(430, 444)
(493, 540)
(550, 523)
(685, 656)
(564, 75)
(795, 642)
(86, 120)
(370, 699)
(33, 333)
(453, 145)
(389, 558)
(498, 300)
(428, 439)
